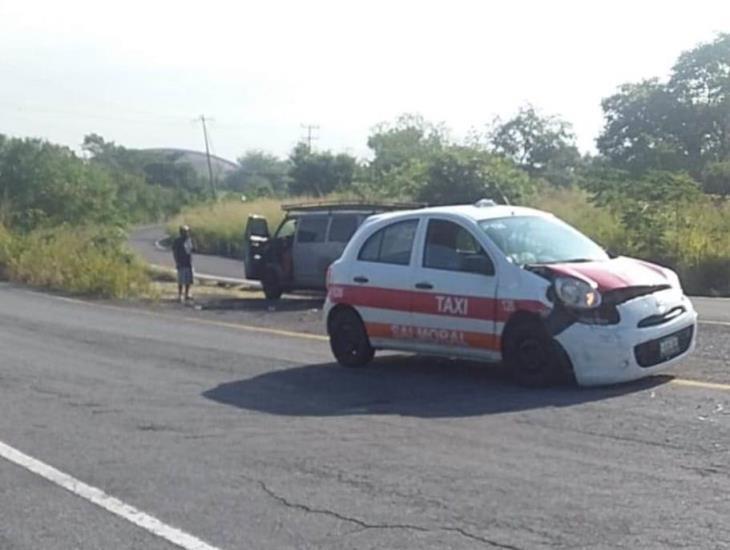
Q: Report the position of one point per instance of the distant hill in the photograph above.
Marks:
(221, 167)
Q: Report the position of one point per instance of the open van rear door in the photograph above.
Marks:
(255, 241)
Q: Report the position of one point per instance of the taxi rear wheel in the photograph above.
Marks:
(349, 339)
(531, 355)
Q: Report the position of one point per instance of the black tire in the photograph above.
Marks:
(272, 285)
(531, 355)
(349, 340)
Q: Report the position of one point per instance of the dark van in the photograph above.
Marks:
(308, 240)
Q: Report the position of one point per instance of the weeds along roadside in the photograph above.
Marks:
(89, 261)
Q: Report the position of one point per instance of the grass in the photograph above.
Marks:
(82, 261)
(218, 228)
(696, 242)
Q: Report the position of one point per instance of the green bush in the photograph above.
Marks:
(6, 243)
(85, 261)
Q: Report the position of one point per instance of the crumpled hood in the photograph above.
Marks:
(614, 274)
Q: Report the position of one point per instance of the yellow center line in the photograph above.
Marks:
(209, 322)
(699, 384)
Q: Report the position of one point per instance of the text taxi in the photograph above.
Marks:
(492, 282)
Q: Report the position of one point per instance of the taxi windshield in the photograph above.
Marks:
(541, 240)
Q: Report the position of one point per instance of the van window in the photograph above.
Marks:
(287, 228)
(390, 245)
(312, 229)
(342, 228)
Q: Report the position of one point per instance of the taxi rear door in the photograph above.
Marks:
(378, 282)
(454, 304)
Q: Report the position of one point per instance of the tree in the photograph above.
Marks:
(683, 124)
(716, 179)
(48, 184)
(409, 139)
(543, 146)
(157, 167)
(258, 174)
(648, 206)
(318, 174)
(460, 175)
(635, 136)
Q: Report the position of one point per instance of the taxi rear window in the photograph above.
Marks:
(390, 245)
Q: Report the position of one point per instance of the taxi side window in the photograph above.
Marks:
(452, 248)
(390, 245)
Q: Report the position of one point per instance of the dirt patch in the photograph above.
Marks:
(236, 304)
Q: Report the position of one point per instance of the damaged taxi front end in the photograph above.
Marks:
(618, 319)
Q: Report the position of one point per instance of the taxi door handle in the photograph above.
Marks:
(424, 286)
(361, 280)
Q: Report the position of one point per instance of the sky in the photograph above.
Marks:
(140, 73)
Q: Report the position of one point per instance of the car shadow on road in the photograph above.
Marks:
(406, 386)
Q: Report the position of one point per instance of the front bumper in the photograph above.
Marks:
(609, 354)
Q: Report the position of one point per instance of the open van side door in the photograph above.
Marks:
(255, 241)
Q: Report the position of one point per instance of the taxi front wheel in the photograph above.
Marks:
(349, 339)
(531, 355)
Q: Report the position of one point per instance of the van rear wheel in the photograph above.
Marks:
(271, 284)
(349, 340)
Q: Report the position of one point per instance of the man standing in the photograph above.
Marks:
(182, 250)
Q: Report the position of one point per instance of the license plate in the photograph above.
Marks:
(669, 346)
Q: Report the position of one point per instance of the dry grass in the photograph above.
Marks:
(697, 244)
(573, 206)
(217, 228)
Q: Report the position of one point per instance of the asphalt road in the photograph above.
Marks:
(143, 241)
(254, 440)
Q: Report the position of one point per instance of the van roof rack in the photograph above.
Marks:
(329, 206)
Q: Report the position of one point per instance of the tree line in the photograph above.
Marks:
(652, 129)
(44, 185)
(663, 142)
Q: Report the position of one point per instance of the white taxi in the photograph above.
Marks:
(504, 283)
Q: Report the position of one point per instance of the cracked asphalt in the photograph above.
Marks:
(250, 440)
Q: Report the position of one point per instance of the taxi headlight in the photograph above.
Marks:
(576, 293)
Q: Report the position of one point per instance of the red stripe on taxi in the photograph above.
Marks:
(433, 303)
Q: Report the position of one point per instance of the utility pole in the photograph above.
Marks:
(310, 137)
(207, 156)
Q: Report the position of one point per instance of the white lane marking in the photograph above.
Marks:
(100, 498)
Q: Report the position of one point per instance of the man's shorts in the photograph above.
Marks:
(184, 275)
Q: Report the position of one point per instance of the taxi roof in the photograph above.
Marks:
(474, 212)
